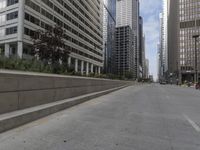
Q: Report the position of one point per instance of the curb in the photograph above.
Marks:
(17, 118)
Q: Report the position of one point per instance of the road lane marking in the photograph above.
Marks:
(192, 123)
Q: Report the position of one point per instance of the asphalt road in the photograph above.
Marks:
(143, 117)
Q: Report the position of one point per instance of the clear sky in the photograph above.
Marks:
(150, 10)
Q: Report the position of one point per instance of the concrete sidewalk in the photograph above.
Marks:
(20, 117)
(143, 117)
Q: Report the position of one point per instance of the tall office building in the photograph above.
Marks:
(159, 62)
(173, 41)
(189, 19)
(165, 35)
(168, 46)
(109, 24)
(141, 48)
(82, 21)
(143, 57)
(127, 14)
(124, 51)
(161, 49)
(146, 68)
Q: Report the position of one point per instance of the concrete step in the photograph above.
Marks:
(17, 118)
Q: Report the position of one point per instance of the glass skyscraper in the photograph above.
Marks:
(109, 23)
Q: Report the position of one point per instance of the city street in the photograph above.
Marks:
(142, 117)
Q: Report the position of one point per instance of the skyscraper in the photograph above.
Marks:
(161, 49)
(163, 44)
(82, 21)
(127, 14)
(173, 40)
(146, 68)
(141, 48)
(165, 36)
(124, 51)
(109, 24)
(189, 19)
(143, 55)
(159, 62)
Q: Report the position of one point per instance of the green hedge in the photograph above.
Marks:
(34, 65)
(14, 63)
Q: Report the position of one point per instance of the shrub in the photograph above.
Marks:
(34, 65)
(14, 63)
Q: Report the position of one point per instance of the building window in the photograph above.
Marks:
(2, 19)
(2, 51)
(12, 15)
(11, 30)
(29, 32)
(2, 32)
(12, 2)
(2, 4)
(33, 5)
(32, 19)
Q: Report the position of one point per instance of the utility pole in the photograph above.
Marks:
(196, 78)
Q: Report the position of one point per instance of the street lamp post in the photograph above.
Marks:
(196, 65)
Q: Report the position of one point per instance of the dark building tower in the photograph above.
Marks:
(127, 14)
(141, 48)
(124, 51)
(173, 34)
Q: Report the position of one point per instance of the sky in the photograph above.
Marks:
(150, 10)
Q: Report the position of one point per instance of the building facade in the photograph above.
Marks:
(124, 58)
(146, 69)
(189, 19)
(165, 35)
(173, 40)
(127, 14)
(82, 21)
(109, 24)
(163, 71)
(141, 48)
(161, 50)
(143, 56)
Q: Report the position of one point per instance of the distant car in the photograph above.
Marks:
(163, 82)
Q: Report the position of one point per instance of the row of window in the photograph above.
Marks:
(190, 24)
(83, 4)
(30, 32)
(36, 21)
(59, 22)
(59, 11)
(8, 31)
(78, 16)
(10, 16)
(4, 3)
(12, 2)
(11, 30)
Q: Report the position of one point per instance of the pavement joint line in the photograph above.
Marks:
(192, 123)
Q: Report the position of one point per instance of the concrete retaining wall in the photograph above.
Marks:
(20, 90)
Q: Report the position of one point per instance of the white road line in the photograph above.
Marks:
(192, 123)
